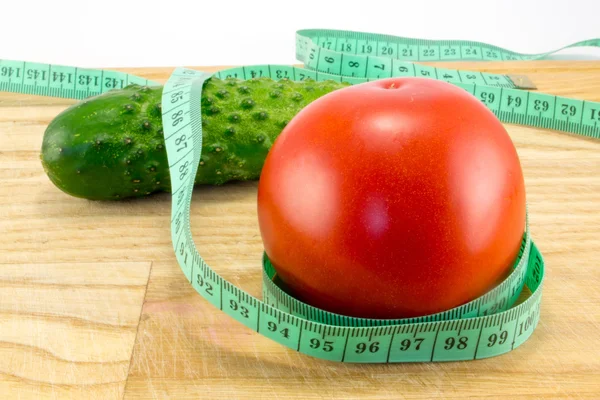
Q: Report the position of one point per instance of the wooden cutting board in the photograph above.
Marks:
(94, 306)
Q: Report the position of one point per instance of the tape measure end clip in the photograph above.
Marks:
(522, 81)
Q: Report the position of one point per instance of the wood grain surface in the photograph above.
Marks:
(94, 306)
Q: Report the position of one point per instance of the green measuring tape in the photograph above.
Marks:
(493, 324)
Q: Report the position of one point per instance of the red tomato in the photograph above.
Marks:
(390, 199)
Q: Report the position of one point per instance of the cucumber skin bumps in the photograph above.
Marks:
(111, 146)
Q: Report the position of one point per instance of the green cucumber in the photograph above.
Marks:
(111, 146)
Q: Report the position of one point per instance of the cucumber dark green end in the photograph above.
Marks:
(111, 146)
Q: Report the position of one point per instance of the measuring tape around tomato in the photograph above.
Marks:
(452, 335)
(490, 325)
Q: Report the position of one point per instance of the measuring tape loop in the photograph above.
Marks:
(496, 323)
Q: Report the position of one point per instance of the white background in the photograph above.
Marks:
(109, 33)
